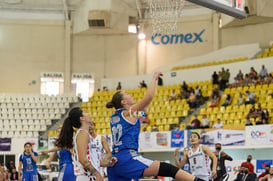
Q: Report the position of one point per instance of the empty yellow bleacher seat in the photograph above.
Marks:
(182, 126)
(166, 128)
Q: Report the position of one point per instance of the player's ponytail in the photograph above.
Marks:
(116, 101)
(65, 139)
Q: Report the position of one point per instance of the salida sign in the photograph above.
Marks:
(194, 37)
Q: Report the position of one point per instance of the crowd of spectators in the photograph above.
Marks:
(8, 172)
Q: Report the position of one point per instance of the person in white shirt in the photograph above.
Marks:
(100, 150)
(199, 157)
(205, 122)
(219, 124)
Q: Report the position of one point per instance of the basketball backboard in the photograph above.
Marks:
(235, 8)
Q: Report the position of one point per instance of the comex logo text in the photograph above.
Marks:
(177, 38)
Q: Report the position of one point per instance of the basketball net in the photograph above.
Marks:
(164, 15)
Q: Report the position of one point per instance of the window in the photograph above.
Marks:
(83, 86)
(52, 83)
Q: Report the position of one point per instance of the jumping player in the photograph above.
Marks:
(199, 158)
(28, 161)
(125, 128)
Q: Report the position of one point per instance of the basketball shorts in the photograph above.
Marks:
(30, 176)
(130, 166)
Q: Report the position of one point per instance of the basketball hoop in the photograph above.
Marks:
(164, 15)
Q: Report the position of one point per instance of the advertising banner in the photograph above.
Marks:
(260, 165)
(162, 139)
(226, 137)
(177, 139)
(260, 134)
(5, 144)
(146, 140)
(43, 144)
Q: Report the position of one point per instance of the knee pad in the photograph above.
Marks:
(167, 170)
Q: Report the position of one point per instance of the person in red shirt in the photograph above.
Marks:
(267, 167)
(248, 164)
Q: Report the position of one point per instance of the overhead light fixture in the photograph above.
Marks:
(141, 36)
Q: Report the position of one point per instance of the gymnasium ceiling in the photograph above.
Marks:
(55, 6)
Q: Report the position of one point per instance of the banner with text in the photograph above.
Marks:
(5, 144)
(226, 137)
(177, 139)
(260, 134)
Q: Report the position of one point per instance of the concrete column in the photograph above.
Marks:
(215, 31)
(67, 57)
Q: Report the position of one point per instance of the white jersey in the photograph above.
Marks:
(97, 152)
(80, 172)
(199, 163)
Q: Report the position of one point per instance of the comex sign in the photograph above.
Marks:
(177, 38)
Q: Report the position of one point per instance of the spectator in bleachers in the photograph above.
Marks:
(239, 78)
(192, 101)
(261, 121)
(205, 122)
(10, 165)
(2, 172)
(227, 101)
(198, 94)
(228, 76)
(13, 175)
(247, 80)
(142, 84)
(195, 123)
(241, 99)
(269, 79)
(215, 78)
(248, 122)
(155, 129)
(253, 75)
(218, 124)
(223, 78)
(183, 94)
(172, 96)
(251, 97)
(263, 72)
(160, 81)
(105, 89)
(252, 112)
(118, 86)
(185, 86)
(265, 114)
(215, 97)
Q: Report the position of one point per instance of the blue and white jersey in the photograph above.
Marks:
(124, 133)
(64, 156)
(29, 165)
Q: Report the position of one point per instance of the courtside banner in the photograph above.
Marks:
(177, 139)
(260, 134)
(147, 140)
(5, 144)
(227, 137)
(162, 139)
(260, 165)
(233, 168)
